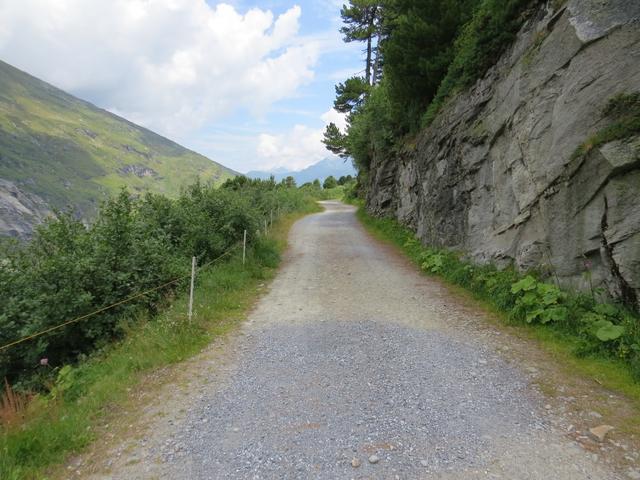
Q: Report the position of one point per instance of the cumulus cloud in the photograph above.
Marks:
(171, 65)
(296, 149)
(333, 116)
(299, 147)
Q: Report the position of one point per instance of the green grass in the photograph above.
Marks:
(64, 421)
(623, 113)
(612, 374)
(577, 352)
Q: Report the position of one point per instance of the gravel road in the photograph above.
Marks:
(354, 365)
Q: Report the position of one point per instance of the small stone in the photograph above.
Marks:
(374, 459)
(600, 432)
(424, 463)
(595, 415)
(532, 370)
(633, 474)
(482, 361)
(547, 407)
(355, 462)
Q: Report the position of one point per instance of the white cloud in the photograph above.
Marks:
(295, 149)
(299, 147)
(171, 65)
(333, 116)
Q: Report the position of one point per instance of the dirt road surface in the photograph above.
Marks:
(353, 365)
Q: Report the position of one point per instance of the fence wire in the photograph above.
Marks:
(113, 305)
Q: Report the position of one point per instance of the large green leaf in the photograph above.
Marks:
(606, 331)
(526, 284)
(606, 309)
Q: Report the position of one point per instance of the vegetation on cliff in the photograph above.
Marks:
(622, 113)
(429, 50)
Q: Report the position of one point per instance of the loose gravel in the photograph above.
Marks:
(356, 366)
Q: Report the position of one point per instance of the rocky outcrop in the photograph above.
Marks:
(20, 211)
(138, 170)
(494, 177)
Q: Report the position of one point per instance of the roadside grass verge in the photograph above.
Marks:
(66, 419)
(569, 326)
(334, 193)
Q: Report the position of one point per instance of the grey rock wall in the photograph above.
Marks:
(493, 176)
(20, 211)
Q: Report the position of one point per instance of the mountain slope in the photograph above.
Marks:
(320, 170)
(57, 151)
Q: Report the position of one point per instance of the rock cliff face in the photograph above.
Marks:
(494, 177)
(20, 210)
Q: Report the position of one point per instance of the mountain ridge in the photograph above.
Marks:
(319, 170)
(61, 152)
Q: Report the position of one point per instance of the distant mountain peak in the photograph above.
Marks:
(320, 170)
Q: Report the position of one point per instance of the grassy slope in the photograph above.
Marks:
(64, 423)
(70, 152)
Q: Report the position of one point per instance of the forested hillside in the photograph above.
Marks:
(59, 152)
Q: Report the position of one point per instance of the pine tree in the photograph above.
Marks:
(350, 94)
(362, 20)
(334, 140)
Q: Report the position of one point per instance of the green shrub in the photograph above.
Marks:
(135, 244)
(538, 301)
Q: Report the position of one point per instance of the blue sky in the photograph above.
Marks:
(250, 84)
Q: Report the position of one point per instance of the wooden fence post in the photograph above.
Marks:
(193, 276)
(244, 246)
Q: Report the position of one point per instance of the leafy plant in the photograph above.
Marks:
(600, 323)
(433, 261)
(538, 301)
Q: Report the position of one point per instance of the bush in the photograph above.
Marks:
(135, 244)
(329, 182)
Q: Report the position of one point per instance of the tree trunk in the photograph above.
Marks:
(371, 14)
(368, 67)
(376, 63)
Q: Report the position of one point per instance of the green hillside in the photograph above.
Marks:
(73, 154)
